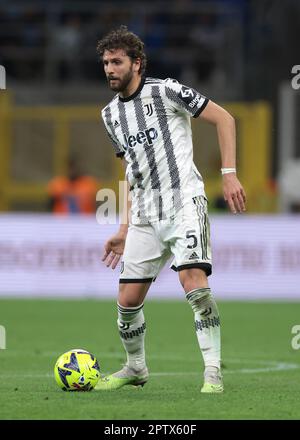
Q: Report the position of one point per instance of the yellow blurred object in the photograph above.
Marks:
(254, 127)
(34, 132)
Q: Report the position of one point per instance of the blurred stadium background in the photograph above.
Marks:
(239, 53)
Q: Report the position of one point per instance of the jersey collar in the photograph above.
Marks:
(134, 95)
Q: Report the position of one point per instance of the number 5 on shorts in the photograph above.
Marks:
(191, 234)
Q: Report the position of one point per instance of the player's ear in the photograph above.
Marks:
(137, 64)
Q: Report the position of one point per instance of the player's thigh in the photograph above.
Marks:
(143, 256)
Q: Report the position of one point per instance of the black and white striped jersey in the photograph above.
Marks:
(151, 129)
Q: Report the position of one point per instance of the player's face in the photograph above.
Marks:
(119, 69)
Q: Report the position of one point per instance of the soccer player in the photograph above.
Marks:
(148, 122)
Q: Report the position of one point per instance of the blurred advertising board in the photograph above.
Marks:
(254, 257)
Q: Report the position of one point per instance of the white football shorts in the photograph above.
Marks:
(186, 238)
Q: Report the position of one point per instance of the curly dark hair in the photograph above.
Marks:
(122, 38)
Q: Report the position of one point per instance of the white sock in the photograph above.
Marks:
(132, 329)
(207, 325)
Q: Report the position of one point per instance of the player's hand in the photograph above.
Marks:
(113, 249)
(234, 193)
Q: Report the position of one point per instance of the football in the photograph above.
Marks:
(77, 370)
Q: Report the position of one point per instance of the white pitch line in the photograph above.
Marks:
(115, 355)
(279, 366)
(266, 365)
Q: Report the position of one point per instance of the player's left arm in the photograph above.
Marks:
(233, 191)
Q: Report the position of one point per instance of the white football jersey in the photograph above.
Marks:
(151, 129)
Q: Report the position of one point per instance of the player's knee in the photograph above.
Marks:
(128, 303)
(191, 279)
(130, 296)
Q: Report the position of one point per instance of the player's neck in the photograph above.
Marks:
(132, 87)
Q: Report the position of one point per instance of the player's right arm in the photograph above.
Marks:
(188, 100)
(234, 193)
(114, 247)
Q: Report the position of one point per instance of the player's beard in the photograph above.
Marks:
(121, 84)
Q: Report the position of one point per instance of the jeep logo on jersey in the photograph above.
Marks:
(141, 138)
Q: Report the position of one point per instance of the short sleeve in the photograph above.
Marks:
(107, 120)
(185, 99)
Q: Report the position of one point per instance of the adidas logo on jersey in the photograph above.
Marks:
(116, 123)
(194, 256)
(141, 137)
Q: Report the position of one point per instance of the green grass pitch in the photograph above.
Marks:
(261, 370)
